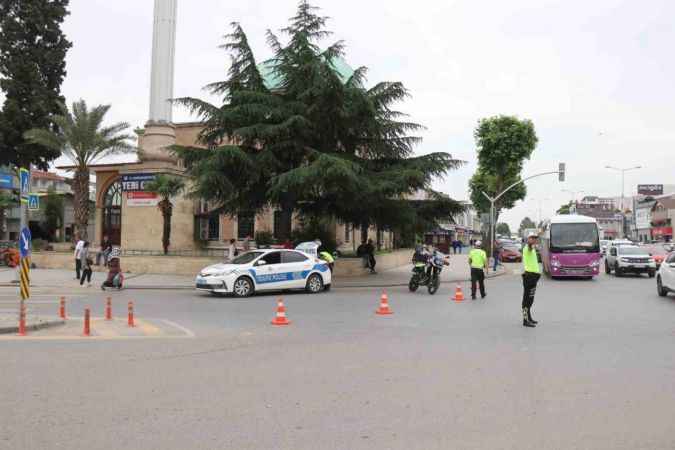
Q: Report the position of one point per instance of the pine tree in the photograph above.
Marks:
(32, 64)
(314, 143)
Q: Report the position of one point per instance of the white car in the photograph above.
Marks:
(629, 258)
(266, 270)
(665, 279)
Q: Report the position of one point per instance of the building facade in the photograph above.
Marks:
(604, 210)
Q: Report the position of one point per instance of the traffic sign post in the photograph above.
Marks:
(24, 241)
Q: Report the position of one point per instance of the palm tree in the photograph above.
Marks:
(6, 202)
(82, 138)
(166, 187)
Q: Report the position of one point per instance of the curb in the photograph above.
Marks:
(33, 327)
(142, 287)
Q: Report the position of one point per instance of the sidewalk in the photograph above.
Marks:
(54, 278)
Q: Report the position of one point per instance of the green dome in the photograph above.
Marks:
(273, 80)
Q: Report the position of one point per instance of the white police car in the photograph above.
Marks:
(261, 270)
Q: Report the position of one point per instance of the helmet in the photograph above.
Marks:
(477, 244)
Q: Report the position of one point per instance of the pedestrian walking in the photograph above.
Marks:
(370, 256)
(247, 243)
(79, 244)
(460, 244)
(531, 275)
(496, 252)
(478, 261)
(85, 264)
(106, 248)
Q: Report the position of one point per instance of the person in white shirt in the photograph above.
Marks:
(232, 251)
(78, 249)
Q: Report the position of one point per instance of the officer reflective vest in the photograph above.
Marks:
(327, 257)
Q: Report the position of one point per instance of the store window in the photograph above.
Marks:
(282, 225)
(246, 225)
(214, 227)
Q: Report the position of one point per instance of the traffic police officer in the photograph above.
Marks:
(479, 264)
(531, 275)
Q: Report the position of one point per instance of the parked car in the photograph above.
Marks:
(510, 253)
(629, 259)
(265, 270)
(659, 253)
(665, 280)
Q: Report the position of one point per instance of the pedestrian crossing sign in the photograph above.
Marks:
(33, 202)
(24, 178)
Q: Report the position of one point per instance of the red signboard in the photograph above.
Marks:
(660, 232)
(140, 198)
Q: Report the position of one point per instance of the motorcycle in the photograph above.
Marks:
(420, 277)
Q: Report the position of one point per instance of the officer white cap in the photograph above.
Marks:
(477, 244)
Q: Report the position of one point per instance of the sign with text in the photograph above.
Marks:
(650, 189)
(136, 182)
(142, 199)
(6, 181)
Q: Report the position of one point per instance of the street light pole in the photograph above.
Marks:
(623, 178)
(493, 200)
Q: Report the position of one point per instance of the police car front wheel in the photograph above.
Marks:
(243, 287)
(314, 284)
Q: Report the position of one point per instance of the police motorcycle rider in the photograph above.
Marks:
(427, 263)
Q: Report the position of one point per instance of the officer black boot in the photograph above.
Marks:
(526, 319)
(529, 316)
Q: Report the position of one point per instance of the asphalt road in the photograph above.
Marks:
(597, 373)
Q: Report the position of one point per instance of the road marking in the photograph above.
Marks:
(81, 338)
(101, 330)
(147, 328)
(188, 332)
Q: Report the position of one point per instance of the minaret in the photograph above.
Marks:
(159, 130)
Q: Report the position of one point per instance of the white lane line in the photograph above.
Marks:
(188, 332)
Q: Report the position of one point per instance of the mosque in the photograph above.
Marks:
(128, 214)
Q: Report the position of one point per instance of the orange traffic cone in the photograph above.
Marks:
(281, 319)
(459, 295)
(384, 306)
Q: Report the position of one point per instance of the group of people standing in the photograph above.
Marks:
(84, 261)
(478, 262)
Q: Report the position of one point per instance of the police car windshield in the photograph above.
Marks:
(246, 258)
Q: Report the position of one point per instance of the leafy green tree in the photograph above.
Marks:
(525, 224)
(32, 68)
(504, 143)
(311, 141)
(565, 209)
(167, 187)
(503, 229)
(53, 210)
(82, 138)
(7, 201)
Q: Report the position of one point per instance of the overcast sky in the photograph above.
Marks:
(596, 78)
